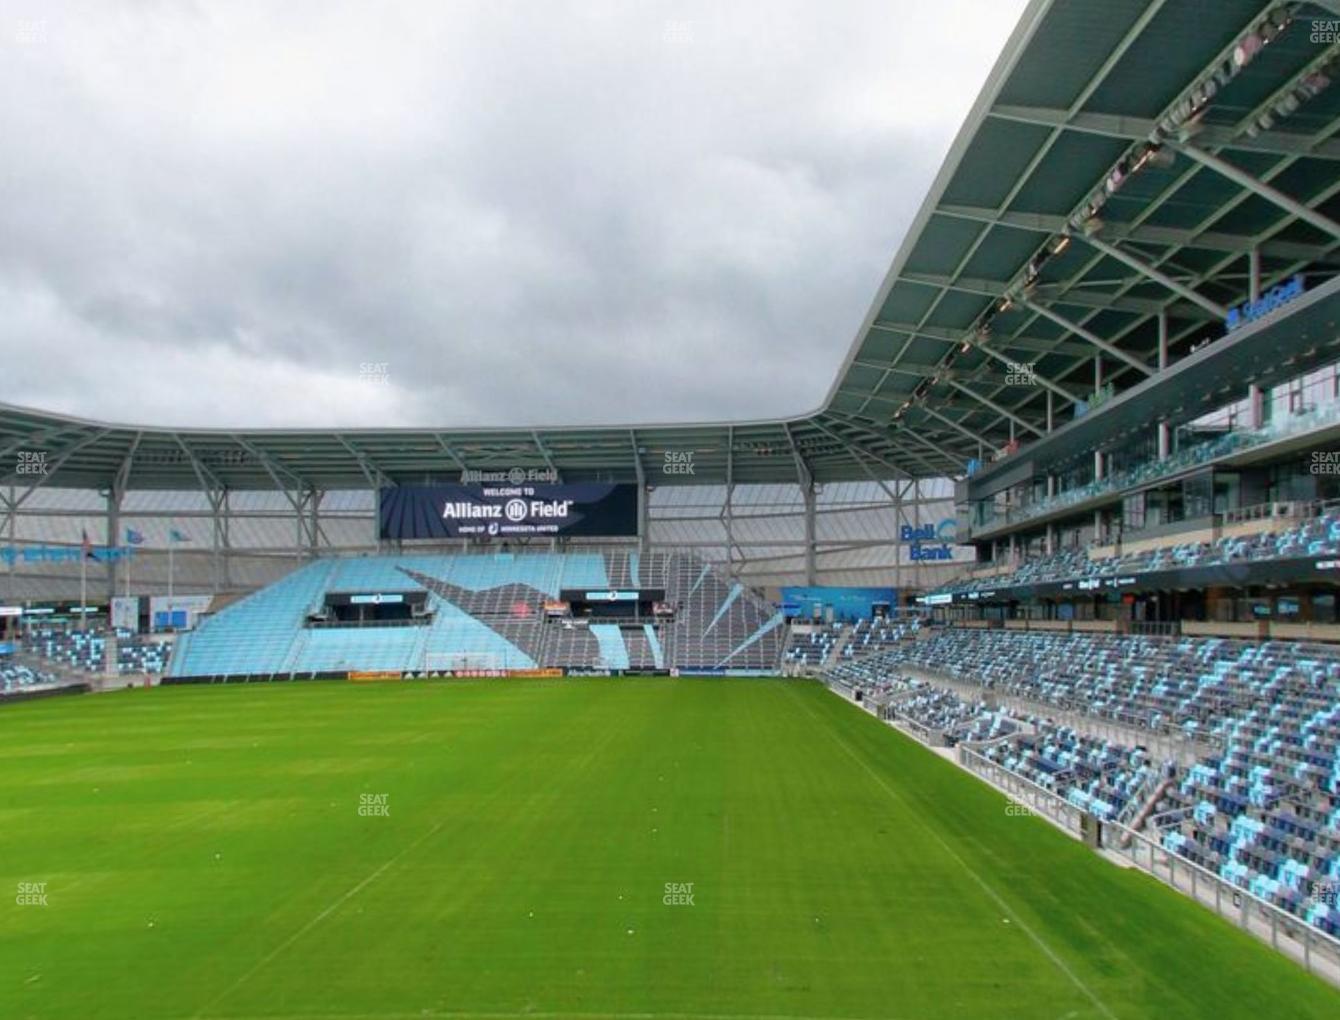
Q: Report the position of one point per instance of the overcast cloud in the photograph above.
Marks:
(531, 213)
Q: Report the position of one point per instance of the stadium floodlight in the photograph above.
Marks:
(1161, 156)
(1190, 127)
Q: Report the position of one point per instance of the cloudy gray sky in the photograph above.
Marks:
(529, 212)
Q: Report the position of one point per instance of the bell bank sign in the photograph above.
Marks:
(929, 542)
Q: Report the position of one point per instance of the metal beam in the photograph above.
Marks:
(954, 337)
(273, 468)
(803, 473)
(450, 452)
(998, 289)
(1258, 187)
(51, 470)
(887, 437)
(1093, 338)
(548, 460)
(1141, 129)
(203, 475)
(366, 464)
(1172, 237)
(976, 437)
(857, 452)
(1157, 275)
(995, 407)
(985, 347)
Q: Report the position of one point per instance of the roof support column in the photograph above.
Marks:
(1163, 341)
(1258, 187)
(11, 522)
(114, 495)
(897, 545)
(728, 507)
(807, 489)
(296, 501)
(314, 531)
(219, 542)
(643, 498)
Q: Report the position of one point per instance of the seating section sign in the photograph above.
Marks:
(507, 510)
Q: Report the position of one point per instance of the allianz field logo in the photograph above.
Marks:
(678, 894)
(512, 476)
(374, 805)
(31, 894)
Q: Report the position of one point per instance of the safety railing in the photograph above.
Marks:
(1315, 950)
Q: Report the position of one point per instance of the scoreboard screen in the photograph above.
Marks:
(507, 511)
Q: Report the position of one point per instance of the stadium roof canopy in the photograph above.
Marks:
(1128, 169)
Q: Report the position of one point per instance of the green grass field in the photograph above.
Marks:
(204, 855)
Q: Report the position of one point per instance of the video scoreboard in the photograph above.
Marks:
(507, 510)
